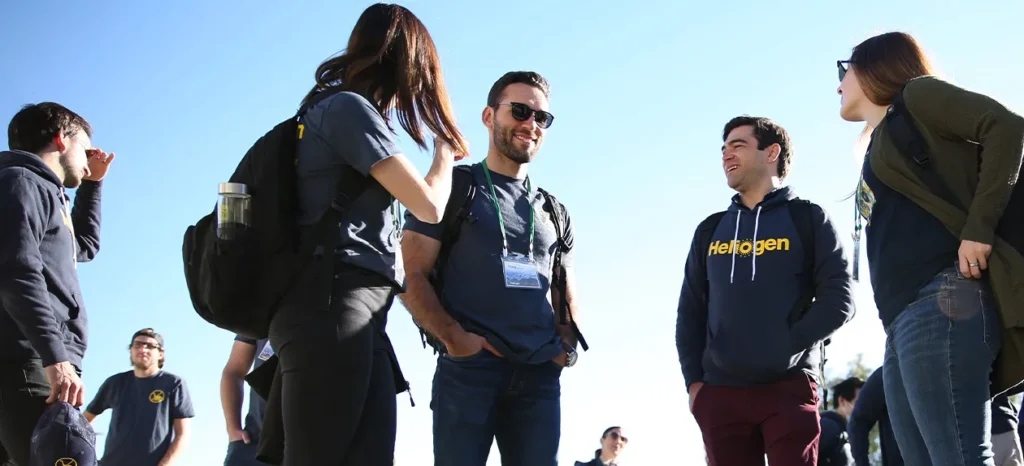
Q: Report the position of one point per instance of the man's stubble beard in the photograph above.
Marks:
(504, 141)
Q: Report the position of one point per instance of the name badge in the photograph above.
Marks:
(520, 272)
(267, 352)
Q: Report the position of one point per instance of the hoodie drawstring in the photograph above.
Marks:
(735, 245)
(753, 245)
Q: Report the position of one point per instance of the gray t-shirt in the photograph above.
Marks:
(141, 427)
(518, 322)
(253, 423)
(346, 130)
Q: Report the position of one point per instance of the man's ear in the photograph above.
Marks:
(773, 152)
(487, 117)
(58, 141)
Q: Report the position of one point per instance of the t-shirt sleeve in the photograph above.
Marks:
(182, 407)
(245, 340)
(430, 230)
(570, 240)
(354, 129)
(105, 398)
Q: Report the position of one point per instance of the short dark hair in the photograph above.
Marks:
(530, 78)
(36, 125)
(767, 132)
(846, 390)
(149, 332)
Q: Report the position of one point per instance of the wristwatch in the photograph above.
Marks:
(570, 355)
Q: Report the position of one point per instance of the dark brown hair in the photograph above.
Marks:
(36, 125)
(884, 63)
(767, 132)
(391, 57)
(529, 78)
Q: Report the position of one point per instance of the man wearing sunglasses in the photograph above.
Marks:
(151, 407)
(502, 348)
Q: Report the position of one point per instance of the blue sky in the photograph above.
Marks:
(641, 89)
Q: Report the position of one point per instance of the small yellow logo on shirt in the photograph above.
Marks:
(66, 462)
(157, 396)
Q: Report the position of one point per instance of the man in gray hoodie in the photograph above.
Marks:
(42, 314)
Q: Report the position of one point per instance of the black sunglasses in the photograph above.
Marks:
(844, 66)
(522, 112)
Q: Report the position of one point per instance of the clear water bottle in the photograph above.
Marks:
(233, 211)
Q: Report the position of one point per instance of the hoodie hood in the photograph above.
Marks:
(778, 197)
(31, 162)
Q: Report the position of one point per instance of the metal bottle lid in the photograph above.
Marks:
(232, 188)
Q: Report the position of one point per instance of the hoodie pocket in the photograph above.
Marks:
(752, 353)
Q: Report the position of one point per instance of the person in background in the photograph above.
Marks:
(834, 446)
(338, 373)
(43, 334)
(756, 306)
(152, 408)
(613, 441)
(869, 410)
(939, 300)
(1006, 449)
(242, 440)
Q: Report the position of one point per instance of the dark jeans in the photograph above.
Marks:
(23, 393)
(482, 397)
(938, 358)
(741, 425)
(243, 454)
(337, 386)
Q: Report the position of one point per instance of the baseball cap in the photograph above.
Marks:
(63, 437)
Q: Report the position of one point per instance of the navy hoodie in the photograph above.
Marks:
(748, 329)
(42, 314)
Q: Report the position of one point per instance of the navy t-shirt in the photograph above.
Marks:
(257, 406)
(518, 322)
(906, 246)
(144, 409)
(346, 130)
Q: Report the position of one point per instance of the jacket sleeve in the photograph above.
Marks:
(833, 299)
(692, 317)
(23, 292)
(956, 113)
(85, 216)
(867, 412)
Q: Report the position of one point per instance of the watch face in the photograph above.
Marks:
(570, 358)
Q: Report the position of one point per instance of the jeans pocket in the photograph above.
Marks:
(471, 357)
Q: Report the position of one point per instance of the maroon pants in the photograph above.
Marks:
(741, 425)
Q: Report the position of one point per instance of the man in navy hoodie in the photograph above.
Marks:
(42, 238)
(749, 337)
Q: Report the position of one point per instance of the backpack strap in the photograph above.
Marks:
(909, 142)
(563, 229)
(802, 212)
(456, 211)
(705, 231)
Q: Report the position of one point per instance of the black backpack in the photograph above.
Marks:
(237, 285)
(910, 143)
(803, 220)
(456, 212)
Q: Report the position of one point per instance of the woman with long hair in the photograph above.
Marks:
(336, 382)
(941, 276)
(613, 441)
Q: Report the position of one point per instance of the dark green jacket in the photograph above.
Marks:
(954, 121)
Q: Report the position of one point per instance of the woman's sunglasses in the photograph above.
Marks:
(523, 112)
(844, 66)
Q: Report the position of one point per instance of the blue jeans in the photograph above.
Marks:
(938, 358)
(243, 454)
(482, 397)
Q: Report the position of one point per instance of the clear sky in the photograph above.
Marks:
(640, 90)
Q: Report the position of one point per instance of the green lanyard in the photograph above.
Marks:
(497, 209)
